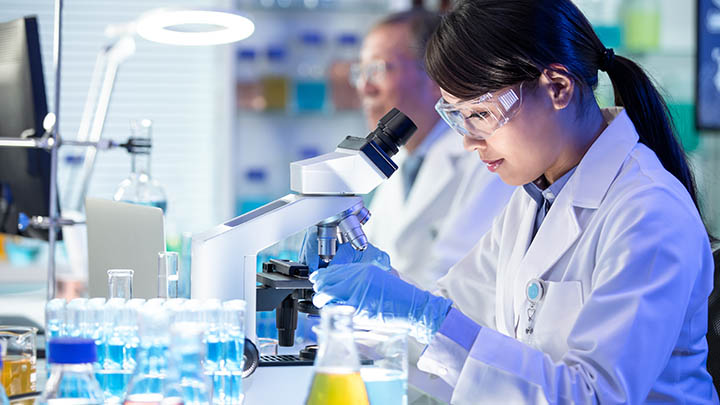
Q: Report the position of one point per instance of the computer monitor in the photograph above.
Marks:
(24, 172)
(708, 65)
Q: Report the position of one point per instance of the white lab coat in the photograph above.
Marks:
(450, 206)
(628, 269)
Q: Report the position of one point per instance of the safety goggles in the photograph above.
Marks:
(371, 72)
(480, 117)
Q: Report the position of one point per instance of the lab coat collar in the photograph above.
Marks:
(602, 161)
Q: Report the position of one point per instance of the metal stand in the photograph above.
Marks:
(51, 141)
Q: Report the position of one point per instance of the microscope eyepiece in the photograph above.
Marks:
(393, 130)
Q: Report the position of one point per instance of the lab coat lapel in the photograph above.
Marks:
(556, 235)
(505, 279)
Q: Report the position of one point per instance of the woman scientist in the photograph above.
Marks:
(592, 285)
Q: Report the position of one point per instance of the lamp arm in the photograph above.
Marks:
(99, 96)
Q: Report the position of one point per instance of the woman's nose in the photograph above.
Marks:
(471, 144)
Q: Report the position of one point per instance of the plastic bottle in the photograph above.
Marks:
(310, 77)
(248, 90)
(72, 379)
(343, 93)
(186, 382)
(274, 81)
(139, 187)
(337, 366)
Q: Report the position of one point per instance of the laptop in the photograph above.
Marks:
(123, 236)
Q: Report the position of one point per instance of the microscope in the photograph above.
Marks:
(327, 195)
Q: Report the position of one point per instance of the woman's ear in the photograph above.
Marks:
(560, 85)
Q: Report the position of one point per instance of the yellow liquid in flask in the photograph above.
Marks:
(337, 389)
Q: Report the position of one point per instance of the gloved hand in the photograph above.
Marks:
(345, 253)
(376, 293)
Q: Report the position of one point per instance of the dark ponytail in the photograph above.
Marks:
(485, 45)
(649, 112)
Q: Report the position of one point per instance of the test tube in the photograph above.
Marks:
(76, 313)
(94, 325)
(55, 318)
(233, 319)
(120, 283)
(167, 275)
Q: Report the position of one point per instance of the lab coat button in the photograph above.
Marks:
(442, 371)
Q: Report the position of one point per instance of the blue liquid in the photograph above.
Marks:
(115, 355)
(310, 95)
(214, 355)
(385, 387)
(234, 353)
(100, 346)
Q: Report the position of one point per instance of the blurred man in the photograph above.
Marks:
(420, 215)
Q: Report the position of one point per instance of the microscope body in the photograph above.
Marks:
(224, 258)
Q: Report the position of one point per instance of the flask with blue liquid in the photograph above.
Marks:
(72, 376)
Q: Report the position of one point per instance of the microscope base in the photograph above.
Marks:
(287, 385)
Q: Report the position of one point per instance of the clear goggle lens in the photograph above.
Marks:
(481, 117)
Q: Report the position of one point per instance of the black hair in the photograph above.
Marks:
(421, 22)
(486, 45)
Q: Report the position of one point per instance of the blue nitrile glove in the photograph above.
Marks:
(345, 253)
(376, 293)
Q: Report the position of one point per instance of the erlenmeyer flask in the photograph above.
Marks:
(337, 366)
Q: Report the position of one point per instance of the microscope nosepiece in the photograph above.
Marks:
(352, 231)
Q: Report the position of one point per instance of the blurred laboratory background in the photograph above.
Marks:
(227, 120)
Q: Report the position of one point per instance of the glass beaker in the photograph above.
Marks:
(19, 359)
(386, 346)
(120, 283)
(337, 366)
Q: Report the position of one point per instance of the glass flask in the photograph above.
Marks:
(186, 382)
(147, 381)
(72, 376)
(140, 187)
(337, 366)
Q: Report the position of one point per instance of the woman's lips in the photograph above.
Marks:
(493, 165)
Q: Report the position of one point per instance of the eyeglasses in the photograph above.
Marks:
(371, 72)
(480, 117)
